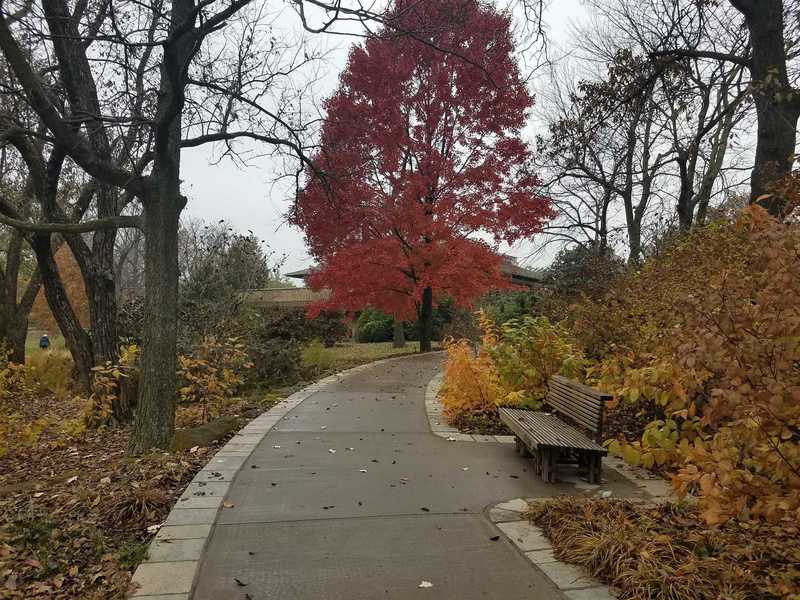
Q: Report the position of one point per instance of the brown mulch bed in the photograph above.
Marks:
(666, 552)
(77, 513)
(628, 420)
(482, 424)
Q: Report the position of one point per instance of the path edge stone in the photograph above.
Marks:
(439, 427)
(175, 553)
(572, 581)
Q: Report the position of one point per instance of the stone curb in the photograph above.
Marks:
(438, 425)
(572, 581)
(174, 555)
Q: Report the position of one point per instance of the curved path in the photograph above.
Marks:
(351, 497)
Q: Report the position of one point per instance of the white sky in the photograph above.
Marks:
(248, 199)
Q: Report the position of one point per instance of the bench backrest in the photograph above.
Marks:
(581, 404)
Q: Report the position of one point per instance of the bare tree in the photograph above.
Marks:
(165, 76)
(19, 278)
(638, 143)
(772, 44)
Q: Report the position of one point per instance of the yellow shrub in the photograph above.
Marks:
(50, 372)
(471, 384)
(106, 382)
(709, 334)
(213, 373)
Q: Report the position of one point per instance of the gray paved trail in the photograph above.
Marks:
(307, 524)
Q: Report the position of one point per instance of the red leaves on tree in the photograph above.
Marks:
(424, 160)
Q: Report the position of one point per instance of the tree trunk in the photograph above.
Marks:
(426, 320)
(634, 244)
(777, 113)
(399, 334)
(76, 339)
(18, 334)
(154, 424)
(123, 407)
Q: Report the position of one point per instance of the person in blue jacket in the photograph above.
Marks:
(44, 342)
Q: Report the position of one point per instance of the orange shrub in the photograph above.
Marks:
(471, 383)
(710, 333)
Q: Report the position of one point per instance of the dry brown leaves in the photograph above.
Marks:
(75, 512)
(666, 553)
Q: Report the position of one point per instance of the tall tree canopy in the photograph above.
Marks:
(423, 153)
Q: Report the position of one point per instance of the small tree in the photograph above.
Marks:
(423, 152)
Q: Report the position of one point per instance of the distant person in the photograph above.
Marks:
(44, 342)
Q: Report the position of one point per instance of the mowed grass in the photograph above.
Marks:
(32, 341)
(350, 354)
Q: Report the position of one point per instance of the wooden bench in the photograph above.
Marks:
(553, 437)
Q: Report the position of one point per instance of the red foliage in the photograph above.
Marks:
(423, 155)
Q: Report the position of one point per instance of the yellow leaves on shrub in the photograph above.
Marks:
(106, 389)
(709, 333)
(471, 383)
(17, 386)
(529, 351)
(212, 373)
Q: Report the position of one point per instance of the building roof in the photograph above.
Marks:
(519, 275)
(292, 297)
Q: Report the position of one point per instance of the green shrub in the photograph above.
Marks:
(374, 326)
(529, 351)
(274, 360)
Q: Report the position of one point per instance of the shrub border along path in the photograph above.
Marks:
(573, 581)
(509, 517)
(440, 427)
(173, 557)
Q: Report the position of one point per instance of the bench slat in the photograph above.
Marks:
(580, 397)
(585, 389)
(592, 420)
(545, 429)
(577, 397)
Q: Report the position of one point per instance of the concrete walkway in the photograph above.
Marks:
(351, 497)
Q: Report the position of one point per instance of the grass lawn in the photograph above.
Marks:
(32, 341)
(350, 354)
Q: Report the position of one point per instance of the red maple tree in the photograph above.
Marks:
(424, 164)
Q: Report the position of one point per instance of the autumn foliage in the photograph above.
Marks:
(421, 152)
(709, 334)
(74, 286)
(704, 339)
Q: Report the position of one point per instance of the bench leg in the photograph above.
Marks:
(522, 448)
(537, 462)
(546, 458)
(595, 464)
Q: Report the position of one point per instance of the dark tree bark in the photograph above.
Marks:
(15, 308)
(777, 105)
(398, 334)
(76, 339)
(426, 320)
(163, 202)
(155, 413)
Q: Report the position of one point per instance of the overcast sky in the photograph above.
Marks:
(248, 199)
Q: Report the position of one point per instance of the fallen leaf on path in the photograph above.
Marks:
(227, 504)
